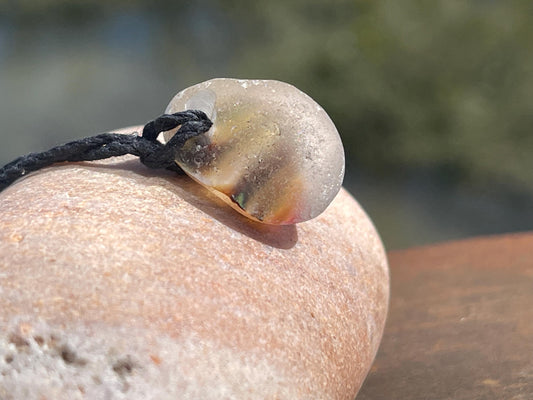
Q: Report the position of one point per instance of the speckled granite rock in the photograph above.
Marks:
(120, 282)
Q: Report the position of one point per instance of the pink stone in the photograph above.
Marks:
(119, 279)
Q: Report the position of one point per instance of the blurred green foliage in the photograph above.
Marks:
(444, 85)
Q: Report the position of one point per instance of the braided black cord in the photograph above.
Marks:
(152, 153)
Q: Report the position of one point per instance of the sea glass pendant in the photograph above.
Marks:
(272, 153)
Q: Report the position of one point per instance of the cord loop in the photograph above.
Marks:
(151, 152)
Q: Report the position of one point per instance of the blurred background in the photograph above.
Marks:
(433, 100)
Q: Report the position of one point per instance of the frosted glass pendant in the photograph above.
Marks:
(272, 153)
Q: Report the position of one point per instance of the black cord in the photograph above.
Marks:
(152, 153)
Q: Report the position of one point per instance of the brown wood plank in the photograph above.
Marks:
(460, 323)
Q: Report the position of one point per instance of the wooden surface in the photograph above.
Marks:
(460, 324)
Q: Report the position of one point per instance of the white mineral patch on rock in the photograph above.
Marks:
(39, 361)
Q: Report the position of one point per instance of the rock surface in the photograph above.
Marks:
(460, 323)
(121, 282)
